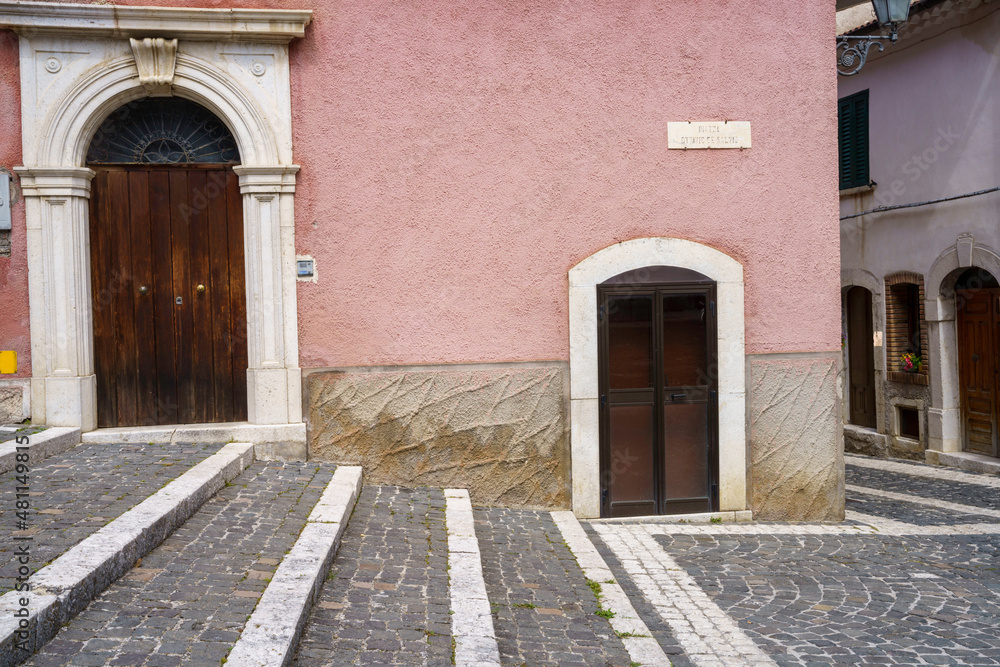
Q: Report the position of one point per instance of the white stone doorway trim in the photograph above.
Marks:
(584, 417)
(860, 278)
(77, 65)
(944, 416)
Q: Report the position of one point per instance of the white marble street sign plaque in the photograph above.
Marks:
(709, 134)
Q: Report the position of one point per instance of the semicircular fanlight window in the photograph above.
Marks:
(167, 130)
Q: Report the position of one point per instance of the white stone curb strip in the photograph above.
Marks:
(472, 618)
(643, 649)
(921, 470)
(64, 587)
(49, 442)
(273, 630)
(709, 637)
(920, 500)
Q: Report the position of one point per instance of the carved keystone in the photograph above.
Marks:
(964, 245)
(155, 58)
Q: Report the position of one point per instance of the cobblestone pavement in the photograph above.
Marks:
(825, 594)
(188, 600)
(386, 600)
(965, 493)
(544, 610)
(75, 493)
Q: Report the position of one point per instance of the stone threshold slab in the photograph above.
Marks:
(63, 588)
(472, 618)
(272, 632)
(738, 516)
(630, 628)
(272, 442)
(51, 441)
(969, 461)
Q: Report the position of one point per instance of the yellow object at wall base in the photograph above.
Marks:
(8, 362)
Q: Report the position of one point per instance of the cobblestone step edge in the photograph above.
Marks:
(630, 628)
(472, 618)
(51, 441)
(63, 588)
(273, 630)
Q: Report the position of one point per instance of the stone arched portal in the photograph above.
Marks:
(584, 439)
(80, 62)
(944, 417)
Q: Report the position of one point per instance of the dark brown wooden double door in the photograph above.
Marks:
(861, 357)
(658, 384)
(167, 265)
(979, 366)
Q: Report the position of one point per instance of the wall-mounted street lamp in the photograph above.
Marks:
(852, 51)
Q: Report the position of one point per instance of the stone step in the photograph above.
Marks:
(189, 599)
(545, 612)
(74, 494)
(272, 632)
(61, 589)
(387, 599)
(38, 442)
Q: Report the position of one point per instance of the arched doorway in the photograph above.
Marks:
(658, 383)
(977, 306)
(860, 357)
(167, 267)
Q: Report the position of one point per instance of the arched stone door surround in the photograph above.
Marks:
(584, 413)
(860, 278)
(944, 417)
(77, 66)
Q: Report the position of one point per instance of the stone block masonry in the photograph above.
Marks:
(501, 433)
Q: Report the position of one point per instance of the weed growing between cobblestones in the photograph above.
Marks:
(525, 605)
(595, 586)
(629, 635)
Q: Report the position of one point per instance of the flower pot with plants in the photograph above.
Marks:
(910, 363)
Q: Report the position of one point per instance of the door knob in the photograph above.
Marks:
(143, 290)
(200, 288)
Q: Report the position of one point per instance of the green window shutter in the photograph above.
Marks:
(852, 115)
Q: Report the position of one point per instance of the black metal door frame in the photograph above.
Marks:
(607, 396)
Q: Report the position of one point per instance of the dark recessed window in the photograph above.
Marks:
(852, 114)
(909, 423)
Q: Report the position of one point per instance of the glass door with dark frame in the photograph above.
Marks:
(658, 399)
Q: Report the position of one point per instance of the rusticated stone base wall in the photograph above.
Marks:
(500, 432)
(11, 401)
(796, 438)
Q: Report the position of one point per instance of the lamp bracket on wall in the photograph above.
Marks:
(852, 51)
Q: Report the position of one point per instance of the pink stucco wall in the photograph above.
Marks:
(459, 158)
(14, 333)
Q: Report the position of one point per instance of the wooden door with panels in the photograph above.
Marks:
(978, 315)
(861, 357)
(658, 384)
(167, 268)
